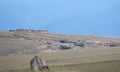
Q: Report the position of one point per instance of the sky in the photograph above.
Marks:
(82, 17)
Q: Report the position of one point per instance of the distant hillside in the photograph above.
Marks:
(96, 25)
(24, 41)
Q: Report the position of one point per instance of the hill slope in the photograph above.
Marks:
(34, 41)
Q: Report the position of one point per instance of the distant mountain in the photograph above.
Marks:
(105, 24)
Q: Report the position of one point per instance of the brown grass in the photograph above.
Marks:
(71, 57)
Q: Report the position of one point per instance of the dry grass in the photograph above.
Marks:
(74, 58)
(80, 60)
(105, 66)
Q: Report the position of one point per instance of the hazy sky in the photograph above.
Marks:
(98, 17)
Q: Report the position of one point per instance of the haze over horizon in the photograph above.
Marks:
(82, 17)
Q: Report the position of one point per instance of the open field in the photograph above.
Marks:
(80, 60)
(106, 66)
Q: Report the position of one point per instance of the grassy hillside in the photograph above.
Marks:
(29, 42)
(17, 48)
